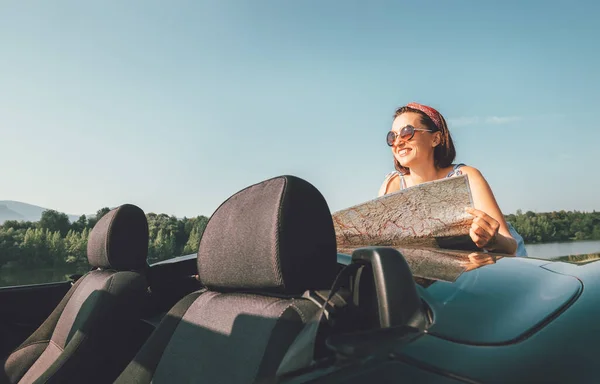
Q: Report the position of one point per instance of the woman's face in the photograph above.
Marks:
(420, 147)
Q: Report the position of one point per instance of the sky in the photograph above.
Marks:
(174, 106)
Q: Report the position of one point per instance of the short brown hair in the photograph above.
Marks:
(443, 154)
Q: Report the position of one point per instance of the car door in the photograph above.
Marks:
(23, 308)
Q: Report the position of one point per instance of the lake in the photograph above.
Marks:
(554, 250)
(14, 276)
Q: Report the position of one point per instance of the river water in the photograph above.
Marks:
(554, 250)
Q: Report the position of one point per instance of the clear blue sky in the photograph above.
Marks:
(174, 106)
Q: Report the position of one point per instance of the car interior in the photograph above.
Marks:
(267, 298)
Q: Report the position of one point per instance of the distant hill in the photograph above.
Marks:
(8, 214)
(16, 210)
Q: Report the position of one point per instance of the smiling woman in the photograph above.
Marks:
(423, 151)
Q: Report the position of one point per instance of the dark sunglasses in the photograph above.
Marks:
(406, 133)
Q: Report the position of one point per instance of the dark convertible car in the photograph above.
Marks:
(268, 299)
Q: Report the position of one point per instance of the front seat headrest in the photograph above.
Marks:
(119, 240)
(275, 236)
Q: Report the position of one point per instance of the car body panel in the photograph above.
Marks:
(510, 297)
(562, 350)
(539, 319)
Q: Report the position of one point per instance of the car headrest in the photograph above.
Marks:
(119, 240)
(275, 236)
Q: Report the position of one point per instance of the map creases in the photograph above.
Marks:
(416, 216)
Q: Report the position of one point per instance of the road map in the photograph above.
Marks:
(431, 214)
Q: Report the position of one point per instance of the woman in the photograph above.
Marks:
(423, 151)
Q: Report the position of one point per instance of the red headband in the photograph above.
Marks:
(430, 112)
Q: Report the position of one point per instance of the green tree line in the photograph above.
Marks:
(556, 226)
(54, 240)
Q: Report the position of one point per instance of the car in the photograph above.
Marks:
(268, 298)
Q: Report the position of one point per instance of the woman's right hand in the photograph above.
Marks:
(484, 229)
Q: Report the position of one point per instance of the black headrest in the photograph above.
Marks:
(275, 236)
(119, 240)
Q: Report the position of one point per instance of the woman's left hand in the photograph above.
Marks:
(484, 228)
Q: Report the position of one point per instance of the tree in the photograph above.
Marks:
(9, 245)
(34, 249)
(55, 221)
(199, 225)
(163, 246)
(99, 214)
(76, 247)
(56, 247)
(80, 224)
(193, 242)
(45, 243)
(17, 224)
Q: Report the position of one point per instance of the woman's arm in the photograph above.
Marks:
(390, 184)
(489, 229)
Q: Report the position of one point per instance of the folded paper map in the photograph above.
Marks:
(427, 215)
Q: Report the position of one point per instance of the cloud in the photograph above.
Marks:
(463, 121)
(502, 119)
(473, 120)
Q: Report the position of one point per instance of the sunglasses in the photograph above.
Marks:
(406, 133)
